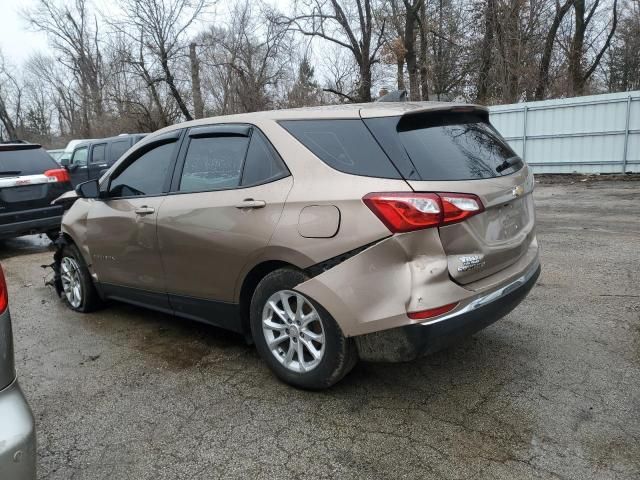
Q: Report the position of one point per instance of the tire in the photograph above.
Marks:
(74, 271)
(337, 354)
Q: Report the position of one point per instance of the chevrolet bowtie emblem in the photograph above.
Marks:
(517, 191)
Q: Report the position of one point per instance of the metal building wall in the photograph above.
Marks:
(593, 134)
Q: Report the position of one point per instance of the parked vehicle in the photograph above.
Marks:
(56, 154)
(380, 231)
(68, 150)
(17, 429)
(92, 157)
(29, 181)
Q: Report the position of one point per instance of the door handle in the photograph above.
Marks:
(251, 203)
(144, 210)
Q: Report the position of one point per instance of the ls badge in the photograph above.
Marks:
(470, 262)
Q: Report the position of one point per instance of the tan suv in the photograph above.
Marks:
(378, 231)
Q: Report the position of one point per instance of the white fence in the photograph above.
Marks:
(593, 134)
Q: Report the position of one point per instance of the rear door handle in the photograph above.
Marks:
(251, 203)
(144, 210)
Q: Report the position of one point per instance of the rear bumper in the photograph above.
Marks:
(412, 341)
(40, 225)
(373, 290)
(17, 435)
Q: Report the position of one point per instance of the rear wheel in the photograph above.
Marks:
(298, 339)
(78, 290)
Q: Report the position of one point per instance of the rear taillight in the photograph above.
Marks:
(406, 212)
(57, 175)
(4, 297)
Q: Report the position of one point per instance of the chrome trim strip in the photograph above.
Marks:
(485, 299)
(26, 180)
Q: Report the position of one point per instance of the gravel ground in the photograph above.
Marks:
(551, 391)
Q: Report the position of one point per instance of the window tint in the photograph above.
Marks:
(30, 161)
(146, 175)
(213, 163)
(80, 156)
(117, 149)
(98, 153)
(455, 147)
(345, 145)
(263, 164)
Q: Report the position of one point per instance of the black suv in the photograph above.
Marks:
(91, 158)
(29, 181)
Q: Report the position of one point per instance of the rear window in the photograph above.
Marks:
(346, 145)
(262, 164)
(213, 163)
(29, 161)
(455, 146)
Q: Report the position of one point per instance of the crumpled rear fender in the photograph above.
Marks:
(375, 289)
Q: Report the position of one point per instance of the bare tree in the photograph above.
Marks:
(9, 89)
(622, 70)
(350, 24)
(412, 9)
(74, 33)
(244, 61)
(196, 89)
(486, 47)
(579, 72)
(162, 25)
(547, 52)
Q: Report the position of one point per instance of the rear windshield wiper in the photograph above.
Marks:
(10, 173)
(508, 163)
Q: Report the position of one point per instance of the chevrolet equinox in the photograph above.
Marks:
(379, 231)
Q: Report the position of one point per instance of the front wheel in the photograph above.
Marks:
(298, 339)
(77, 289)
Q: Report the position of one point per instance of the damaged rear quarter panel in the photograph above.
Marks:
(373, 290)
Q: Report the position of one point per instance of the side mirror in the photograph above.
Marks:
(90, 189)
(65, 162)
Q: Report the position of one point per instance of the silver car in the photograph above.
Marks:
(17, 427)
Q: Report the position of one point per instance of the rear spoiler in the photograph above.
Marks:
(12, 146)
(446, 115)
(453, 108)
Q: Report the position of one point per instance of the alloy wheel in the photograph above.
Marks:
(71, 284)
(293, 330)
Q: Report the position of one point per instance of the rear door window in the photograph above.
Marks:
(29, 161)
(98, 153)
(213, 163)
(346, 145)
(455, 146)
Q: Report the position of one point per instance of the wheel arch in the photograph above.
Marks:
(249, 284)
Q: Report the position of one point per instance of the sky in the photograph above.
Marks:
(16, 41)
